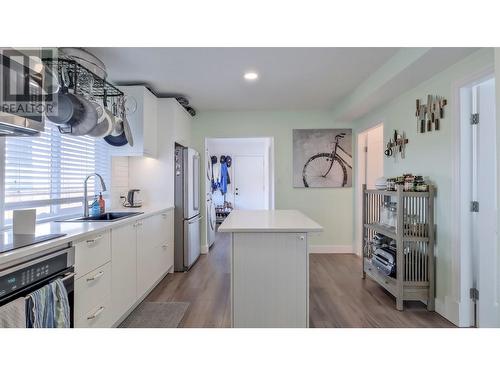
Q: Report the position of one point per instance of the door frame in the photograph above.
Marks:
(361, 170)
(461, 264)
(271, 170)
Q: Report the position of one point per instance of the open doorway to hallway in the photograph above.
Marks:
(239, 175)
(370, 155)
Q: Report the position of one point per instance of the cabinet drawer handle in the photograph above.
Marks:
(164, 246)
(94, 240)
(164, 216)
(302, 238)
(96, 276)
(96, 314)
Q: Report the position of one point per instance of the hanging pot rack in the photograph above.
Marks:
(88, 85)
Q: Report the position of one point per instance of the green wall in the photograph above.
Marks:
(332, 208)
(431, 155)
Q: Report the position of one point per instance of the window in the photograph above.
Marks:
(47, 173)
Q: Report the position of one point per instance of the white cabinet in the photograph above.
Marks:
(181, 123)
(154, 250)
(123, 269)
(145, 259)
(115, 269)
(168, 242)
(143, 123)
(92, 252)
(92, 305)
(269, 280)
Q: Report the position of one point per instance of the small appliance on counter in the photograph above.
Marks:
(132, 199)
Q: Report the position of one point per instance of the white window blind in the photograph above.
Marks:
(47, 172)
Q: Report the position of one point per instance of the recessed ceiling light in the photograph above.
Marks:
(250, 76)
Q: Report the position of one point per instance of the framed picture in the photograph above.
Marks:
(322, 158)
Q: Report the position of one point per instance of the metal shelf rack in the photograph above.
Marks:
(414, 236)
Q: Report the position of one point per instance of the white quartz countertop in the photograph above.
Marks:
(269, 221)
(74, 232)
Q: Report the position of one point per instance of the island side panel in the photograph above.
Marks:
(270, 280)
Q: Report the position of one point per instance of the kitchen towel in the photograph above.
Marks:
(13, 314)
(41, 308)
(61, 304)
(48, 307)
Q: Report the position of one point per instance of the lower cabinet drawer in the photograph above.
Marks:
(93, 299)
(92, 252)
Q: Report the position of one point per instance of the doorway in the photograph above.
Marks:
(239, 175)
(479, 261)
(370, 156)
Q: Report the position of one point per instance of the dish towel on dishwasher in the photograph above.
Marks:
(13, 314)
(48, 307)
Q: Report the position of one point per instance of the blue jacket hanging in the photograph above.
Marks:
(224, 175)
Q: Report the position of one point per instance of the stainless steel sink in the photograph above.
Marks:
(107, 217)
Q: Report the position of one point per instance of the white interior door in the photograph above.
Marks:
(484, 190)
(249, 183)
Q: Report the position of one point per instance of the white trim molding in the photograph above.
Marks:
(449, 309)
(461, 270)
(331, 249)
(204, 249)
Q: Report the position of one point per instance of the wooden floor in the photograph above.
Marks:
(338, 295)
(206, 287)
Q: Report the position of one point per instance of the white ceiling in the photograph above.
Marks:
(211, 78)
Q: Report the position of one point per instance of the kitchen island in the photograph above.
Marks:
(269, 268)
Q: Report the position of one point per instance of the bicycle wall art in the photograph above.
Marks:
(322, 158)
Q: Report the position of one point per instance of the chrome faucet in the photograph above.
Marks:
(85, 198)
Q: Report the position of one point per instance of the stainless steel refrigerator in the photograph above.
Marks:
(187, 207)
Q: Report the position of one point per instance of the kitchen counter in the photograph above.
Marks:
(74, 231)
(269, 221)
(269, 268)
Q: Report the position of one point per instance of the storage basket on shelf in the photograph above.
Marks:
(411, 238)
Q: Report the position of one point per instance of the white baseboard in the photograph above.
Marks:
(331, 249)
(204, 249)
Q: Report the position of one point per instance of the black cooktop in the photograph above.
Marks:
(17, 241)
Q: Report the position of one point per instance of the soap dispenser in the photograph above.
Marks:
(95, 210)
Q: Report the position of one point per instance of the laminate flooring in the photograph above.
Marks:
(338, 297)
